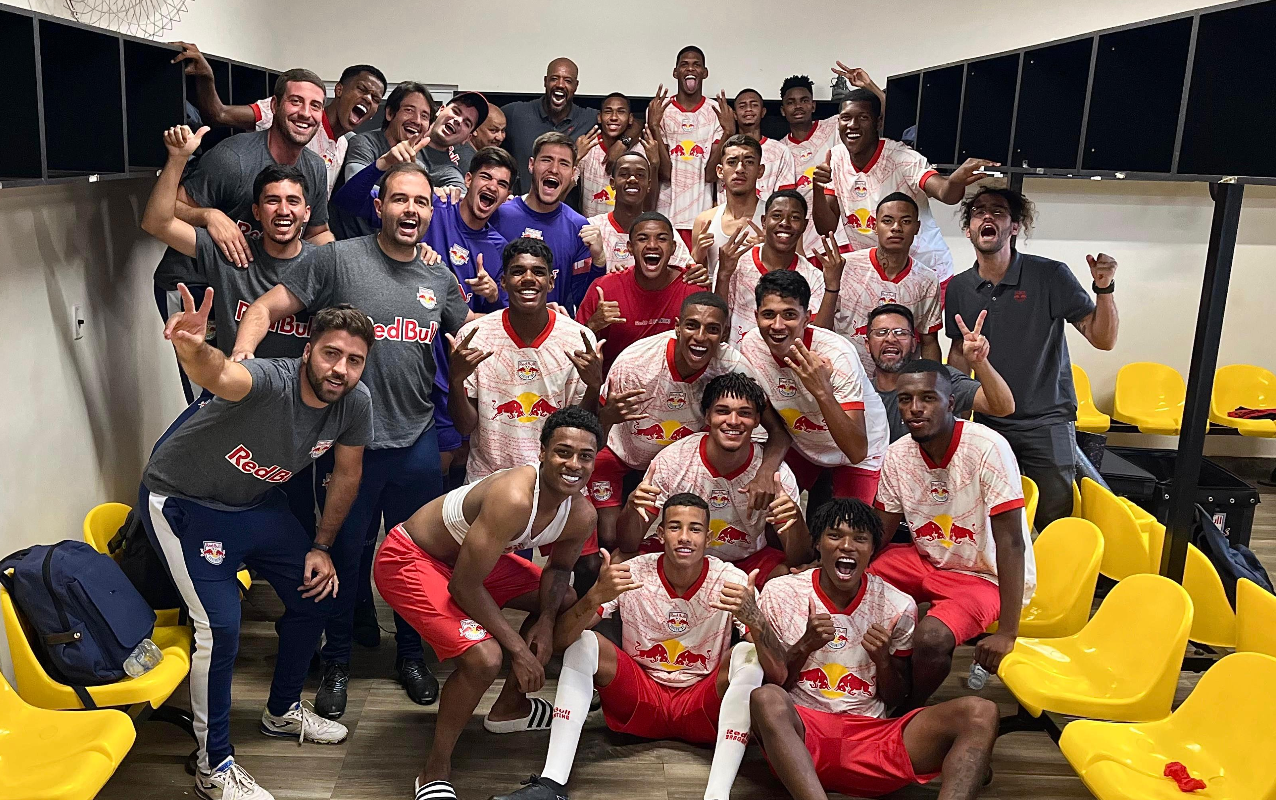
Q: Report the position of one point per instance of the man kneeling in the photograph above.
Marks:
(825, 727)
(670, 680)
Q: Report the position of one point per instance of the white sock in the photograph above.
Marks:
(571, 706)
(744, 676)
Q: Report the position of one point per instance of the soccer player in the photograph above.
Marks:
(451, 568)
(885, 273)
(779, 170)
(446, 150)
(893, 346)
(1027, 331)
(865, 168)
(815, 380)
(208, 501)
(631, 305)
(691, 133)
(848, 634)
(671, 677)
(492, 132)
(632, 179)
(599, 148)
(808, 141)
(541, 214)
(411, 302)
(718, 465)
(356, 98)
(740, 169)
(957, 485)
(555, 110)
(783, 221)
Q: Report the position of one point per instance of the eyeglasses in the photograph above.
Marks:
(898, 333)
(995, 213)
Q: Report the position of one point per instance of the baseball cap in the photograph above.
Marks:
(475, 101)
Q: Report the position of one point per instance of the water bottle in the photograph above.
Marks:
(978, 677)
(143, 659)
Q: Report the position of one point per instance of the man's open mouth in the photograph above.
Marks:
(845, 567)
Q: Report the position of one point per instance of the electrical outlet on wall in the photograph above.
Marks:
(77, 321)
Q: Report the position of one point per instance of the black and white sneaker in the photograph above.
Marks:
(304, 724)
(434, 790)
(536, 788)
(229, 782)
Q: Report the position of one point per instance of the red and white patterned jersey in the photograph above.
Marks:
(520, 385)
(596, 194)
(678, 639)
(734, 532)
(690, 134)
(895, 167)
(671, 404)
(331, 148)
(865, 287)
(616, 244)
(779, 174)
(840, 677)
(851, 389)
(742, 292)
(948, 505)
(808, 154)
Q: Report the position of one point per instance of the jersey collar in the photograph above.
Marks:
(877, 154)
(327, 126)
(828, 604)
(673, 365)
(877, 265)
(540, 337)
(678, 105)
(808, 336)
(611, 217)
(691, 590)
(757, 261)
(704, 459)
(948, 454)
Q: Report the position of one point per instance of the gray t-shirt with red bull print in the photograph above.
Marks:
(411, 304)
(230, 455)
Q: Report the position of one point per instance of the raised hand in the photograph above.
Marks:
(622, 408)
(697, 274)
(700, 248)
(593, 239)
(589, 362)
(403, 152)
(586, 142)
(228, 237)
(815, 371)
(832, 262)
(974, 345)
(195, 63)
(465, 359)
(448, 194)
(188, 328)
(656, 110)
(643, 500)
(819, 628)
(1102, 269)
(856, 77)
(606, 312)
(823, 174)
(740, 601)
(762, 490)
(726, 114)
(966, 174)
(782, 513)
(741, 242)
(614, 579)
(652, 147)
(482, 284)
(181, 143)
(877, 642)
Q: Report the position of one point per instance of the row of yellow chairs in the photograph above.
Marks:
(1151, 396)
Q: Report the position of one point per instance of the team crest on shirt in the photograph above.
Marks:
(320, 448)
(804, 154)
(620, 252)
(839, 638)
(677, 620)
(527, 370)
(458, 255)
(471, 630)
(213, 553)
(859, 191)
(938, 492)
(718, 498)
(425, 296)
(887, 296)
(787, 387)
(532, 233)
(688, 125)
(600, 491)
(676, 400)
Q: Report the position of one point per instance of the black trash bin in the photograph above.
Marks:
(1227, 498)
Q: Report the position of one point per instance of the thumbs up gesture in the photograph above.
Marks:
(823, 174)
(783, 512)
(741, 601)
(482, 284)
(819, 628)
(614, 579)
(605, 313)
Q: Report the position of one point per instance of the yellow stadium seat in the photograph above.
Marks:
(1222, 733)
(1153, 532)
(58, 755)
(1089, 417)
(1068, 553)
(1150, 395)
(1076, 501)
(1125, 545)
(1255, 618)
(1123, 665)
(1030, 497)
(1243, 385)
(1213, 621)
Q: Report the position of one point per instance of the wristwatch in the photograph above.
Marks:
(1111, 288)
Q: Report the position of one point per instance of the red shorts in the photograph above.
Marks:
(967, 604)
(606, 484)
(685, 233)
(414, 583)
(764, 561)
(847, 481)
(634, 703)
(860, 756)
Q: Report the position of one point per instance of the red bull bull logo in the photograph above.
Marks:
(787, 387)
(862, 220)
(718, 498)
(213, 553)
(687, 149)
(942, 530)
(677, 620)
(835, 681)
(320, 448)
(887, 296)
(527, 370)
(938, 492)
(471, 631)
(671, 656)
(688, 125)
(721, 533)
(425, 296)
(839, 638)
(600, 491)
(859, 191)
(620, 253)
(662, 433)
(802, 423)
(527, 407)
(606, 195)
(676, 400)
(458, 255)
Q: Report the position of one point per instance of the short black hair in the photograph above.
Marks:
(571, 417)
(746, 90)
(709, 299)
(1022, 210)
(399, 169)
(527, 246)
(865, 96)
(691, 48)
(791, 194)
(686, 499)
(743, 140)
(852, 512)
(899, 197)
(274, 173)
(787, 284)
(922, 366)
(627, 154)
(400, 93)
(733, 384)
(492, 156)
(621, 95)
(891, 308)
(651, 216)
(350, 73)
(797, 82)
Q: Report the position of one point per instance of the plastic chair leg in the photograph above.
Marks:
(1021, 720)
(175, 716)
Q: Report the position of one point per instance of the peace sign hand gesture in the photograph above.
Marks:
(586, 142)
(739, 244)
(188, 328)
(974, 345)
(656, 109)
(832, 262)
(589, 362)
(726, 114)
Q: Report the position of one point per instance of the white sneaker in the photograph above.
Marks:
(301, 721)
(229, 782)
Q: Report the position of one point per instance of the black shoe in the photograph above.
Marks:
(536, 788)
(330, 700)
(419, 682)
(367, 631)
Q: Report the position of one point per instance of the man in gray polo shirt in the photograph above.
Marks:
(552, 111)
(1028, 299)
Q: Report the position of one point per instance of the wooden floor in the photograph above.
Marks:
(389, 735)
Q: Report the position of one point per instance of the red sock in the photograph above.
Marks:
(1182, 777)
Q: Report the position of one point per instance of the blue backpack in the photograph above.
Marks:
(83, 616)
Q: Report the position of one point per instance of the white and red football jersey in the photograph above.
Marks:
(616, 244)
(840, 677)
(948, 505)
(690, 134)
(865, 286)
(780, 172)
(851, 389)
(677, 639)
(520, 385)
(735, 532)
(895, 167)
(329, 147)
(808, 154)
(742, 292)
(596, 195)
(671, 405)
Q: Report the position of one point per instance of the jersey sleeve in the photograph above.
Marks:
(777, 611)
(311, 281)
(681, 255)
(964, 390)
(786, 171)
(214, 182)
(917, 170)
(358, 430)
(848, 389)
(606, 610)
(317, 188)
(929, 315)
(208, 257)
(901, 644)
(952, 307)
(262, 114)
(267, 379)
(455, 309)
(790, 485)
(817, 290)
(359, 154)
(999, 480)
(888, 486)
(1068, 299)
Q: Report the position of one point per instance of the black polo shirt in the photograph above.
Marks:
(1027, 312)
(526, 119)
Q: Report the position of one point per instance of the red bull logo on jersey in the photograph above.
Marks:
(835, 681)
(425, 296)
(527, 407)
(606, 195)
(687, 149)
(676, 400)
(620, 253)
(677, 620)
(938, 492)
(213, 553)
(862, 220)
(600, 491)
(458, 255)
(722, 533)
(527, 370)
(860, 190)
(887, 295)
(671, 656)
(532, 233)
(839, 638)
(787, 387)
(242, 458)
(286, 326)
(802, 423)
(320, 448)
(662, 433)
(471, 631)
(718, 498)
(688, 125)
(406, 330)
(943, 531)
